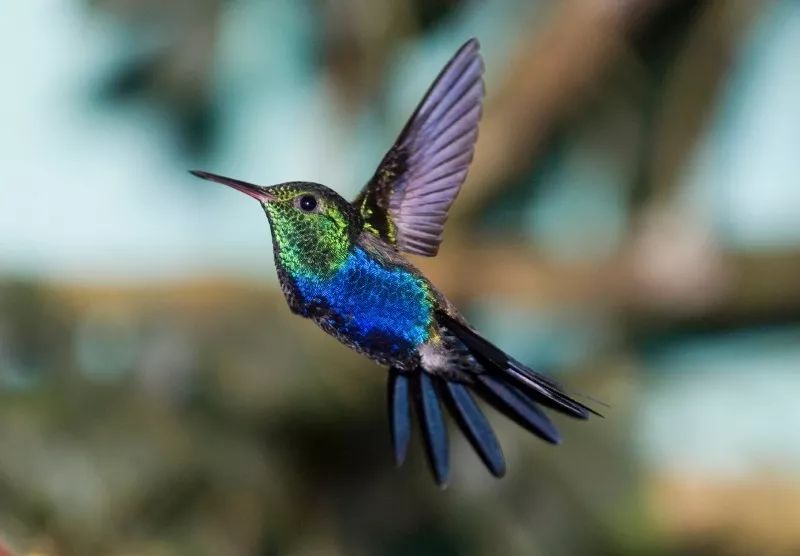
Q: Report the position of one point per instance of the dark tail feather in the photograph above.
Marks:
(474, 425)
(432, 422)
(548, 392)
(527, 383)
(399, 414)
(518, 407)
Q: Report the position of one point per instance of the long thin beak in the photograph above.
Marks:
(255, 191)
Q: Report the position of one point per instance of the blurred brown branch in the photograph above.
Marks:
(562, 66)
(513, 271)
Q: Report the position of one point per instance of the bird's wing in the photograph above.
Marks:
(406, 201)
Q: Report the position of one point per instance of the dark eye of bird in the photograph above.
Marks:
(308, 203)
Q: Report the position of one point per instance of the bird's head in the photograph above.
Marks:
(313, 227)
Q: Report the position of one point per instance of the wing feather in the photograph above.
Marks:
(407, 200)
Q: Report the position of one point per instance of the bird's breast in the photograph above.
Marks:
(383, 311)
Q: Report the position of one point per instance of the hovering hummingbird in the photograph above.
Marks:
(341, 264)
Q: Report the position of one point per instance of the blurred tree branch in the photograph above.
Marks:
(468, 272)
(554, 72)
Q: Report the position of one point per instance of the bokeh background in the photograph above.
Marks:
(631, 224)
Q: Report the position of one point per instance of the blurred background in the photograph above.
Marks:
(631, 224)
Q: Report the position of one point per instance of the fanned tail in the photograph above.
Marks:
(426, 391)
(506, 384)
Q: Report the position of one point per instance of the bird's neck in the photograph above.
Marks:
(313, 252)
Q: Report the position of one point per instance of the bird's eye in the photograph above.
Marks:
(307, 203)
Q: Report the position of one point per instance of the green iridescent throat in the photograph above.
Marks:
(315, 244)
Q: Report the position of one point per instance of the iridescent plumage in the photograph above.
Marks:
(341, 264)
(382, 309)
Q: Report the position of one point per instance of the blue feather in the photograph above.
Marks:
(476, 427)
(433, 427)
(520, 408)
(399, 415)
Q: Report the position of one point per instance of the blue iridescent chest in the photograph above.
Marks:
(375, 306)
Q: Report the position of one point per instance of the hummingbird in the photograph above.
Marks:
(342, 264)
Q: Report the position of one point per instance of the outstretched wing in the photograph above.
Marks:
(406, 201)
